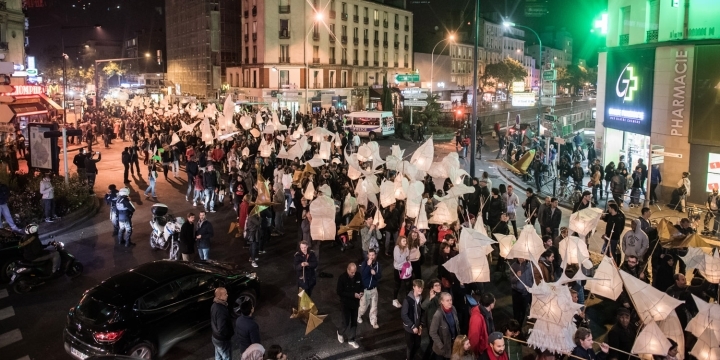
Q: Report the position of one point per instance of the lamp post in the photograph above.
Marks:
(450, 37)
(539, 104)
(318, 18)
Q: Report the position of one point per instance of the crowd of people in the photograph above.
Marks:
(272, 191)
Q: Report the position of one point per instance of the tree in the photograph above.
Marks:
(504, 72)
(429, 116)
(386, 100)
(573, 77)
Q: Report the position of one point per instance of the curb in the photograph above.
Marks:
(74, 218)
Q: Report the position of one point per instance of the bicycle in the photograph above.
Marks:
(568, 192)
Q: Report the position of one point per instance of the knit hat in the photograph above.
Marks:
(495, 336)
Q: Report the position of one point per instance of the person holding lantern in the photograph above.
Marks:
(584, 346)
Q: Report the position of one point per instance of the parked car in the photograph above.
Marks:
(144, 311)
(9, 253)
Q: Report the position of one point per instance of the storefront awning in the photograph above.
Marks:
(27, 109)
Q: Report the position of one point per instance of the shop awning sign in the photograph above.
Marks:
(666, 154)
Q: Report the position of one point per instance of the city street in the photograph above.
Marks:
(93, 245)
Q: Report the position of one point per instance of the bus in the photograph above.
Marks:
(371, 124)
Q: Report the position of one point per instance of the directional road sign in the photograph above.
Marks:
(6, 114)
(407, 77)
(415, 103)
(547, 101)
(419, 96)
(550, 75)
(666, 154)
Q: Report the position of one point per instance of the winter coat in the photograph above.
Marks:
(526, 276)
(618, 220)
(221, 322)
(440, 332)
(411, 312)
(247, 331)
(400, 257)
(187, 238)
(588, 354)
(369, 280)
(306, 278)
(252, 228)
(477, 331)
(635, 242)
(347, 287)
(205, 230)
(618, 186)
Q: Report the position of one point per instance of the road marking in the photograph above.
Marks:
(10, 337)
(7, 312)
(3, 293)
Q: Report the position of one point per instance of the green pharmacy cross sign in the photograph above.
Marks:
(407, 78)
(629, 91)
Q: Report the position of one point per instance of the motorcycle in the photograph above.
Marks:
(28, 275)
(165, 231)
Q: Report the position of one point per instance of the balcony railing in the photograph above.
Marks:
(317, 86)
(344, 16)
(332, 14)
(356, 41)
(331, 37)
(376, 63)
(366, 20)
(406, 64)
(376, 42)
(366, 42)
(332, 61)
(246, 37)
(397, 26)
(254, 11)
(377, 22)
(254, 36)
(396, 64)
(284, 9)
(385, 44)
(316, 60)
(407, 27)
(284, 60)
(356, 18)
(355, 62)
(624, 40)
(406, 46)
(385, 63)
(254, 60)
(343, 39)
(385, 23)
(316, 36)
(246, 61)
(343, 62)
(355, 84)
(652, 36)
(397, 45)
(365, 63)
(246, 14)
(284, 34)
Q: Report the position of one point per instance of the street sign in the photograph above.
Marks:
(523, 99)
(666, 154)
(549, 88)
(32, 72)
(415, 103)
(410, 91)
(560, 141)
(420, 96)
(547, 101)
(518, 86)
(550, 75)
(6, 114)
(6, 99)
(7, 89)
(407, 77)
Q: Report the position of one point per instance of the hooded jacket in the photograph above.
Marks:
(635, 242)
(477, 331)
(411, 313)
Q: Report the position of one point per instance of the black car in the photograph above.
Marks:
(9, 253)
(144, 311)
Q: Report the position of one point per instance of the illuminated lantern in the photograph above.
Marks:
(421, 221)
(300, 131)
(469, 267)
(650, 303)
(695, 257)
(263, 197)
(175, 139)
(506, 242)
(324, 150)
(364, 153)
(574, 250)
(445, 212)
(553, 303)
(206, 131)
(401, 185)
(338, 141)
(255, 132)
(457, 191)
(266, 148)
(349, 205)
(297, 150)
(471, 240)
(282, 154)
(378, 219)
(585, 220)
(651, 340)
(422, 157)
(480, 226)
(708, 317)
(361, 193)
(354, 171)
(528, 245)
(552, 337)
(245, 152)
(706, 347)
(258, 119)
(608, 283)
(387, 193)
(393, 163)
(269, 129)
(414, 199)
(309, 193)
(672, 329)
(322, 211)
(710, 268)
(396, 151)
(318, 134)
(315, 161)
(246, 122)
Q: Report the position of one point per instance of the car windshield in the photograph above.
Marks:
(94, 311)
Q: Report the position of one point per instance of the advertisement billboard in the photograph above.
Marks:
(704, 127)
(629, 90)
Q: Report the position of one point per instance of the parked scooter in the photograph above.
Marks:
(28, 275)
(165, 231)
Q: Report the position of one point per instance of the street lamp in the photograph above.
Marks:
(539, 104)
(451, 38)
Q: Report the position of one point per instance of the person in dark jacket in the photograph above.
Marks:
(252, 235)
(552, 217)
(210, 180)
(125, 159)
(191, 169)
(79, 162)
(493, 208)
(221, 323)
(392, 226)
(371, 275)
(203, 234)
(135, 160)
(305, 263)
(186, 239)
(444, 327)
(531, 205)
(110, 199)
(577, 174)
(411, 315)
(91, 170)
(125, 210)
(246, 328)
(350, 290)
(583, 346)
(621, 336)
(615, 220)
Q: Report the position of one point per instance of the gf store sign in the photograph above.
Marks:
(628, 104)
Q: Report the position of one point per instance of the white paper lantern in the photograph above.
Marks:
(266, 148)
(574, 251)
(552, 337)
(469, 267)
(608, 282)
(506, 243)
(445, 212)
(378, 219)
(471, 240)
(246, 122)
(423, 156)
(421, 221)
(585, 220)
(710, 268)
(528, 245)
(414, 198)
(708, 317)
(650, 303)
(387, 193)
(401, 185)
(309, 193)
(322, 211)
(651, 340)
(706, 346)
(672, 328)
(324, 150)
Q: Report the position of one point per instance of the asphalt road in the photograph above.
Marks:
(39, 317)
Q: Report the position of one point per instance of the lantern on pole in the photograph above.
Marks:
(421, 221)
(651, 340)
(506, 242)
(422, 157)
(528, 245)
(469, 267)
(650, 303)
(309, 193)
(608, 283)
(324, 150)
(387, 193)
(585, 221)
(672, 328)
(322, 211)
(708, 317)
(706, 347)
(574, 250)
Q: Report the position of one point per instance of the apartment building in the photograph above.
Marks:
(302, 55)
(12, 32)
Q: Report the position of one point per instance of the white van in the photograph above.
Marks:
(372, 124)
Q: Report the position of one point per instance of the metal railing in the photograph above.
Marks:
(406, 46)
(376, 63)
(355, 62)
(316, 60)
(356, 18)
(397, 26)
(331, 61)
(651, 36)
(284, 60)
(356, 41)
(284, 9)
(284, 34)
(332, 14)
(624, 40)
(254, 60)
(343, 39)
(316, 36)
(366, 42)
(385, 44)
(385, 23)
(407, 27)
(343, 62)
(365, 63)
(254, 11)
(331, 37)
(376, 22)
(397, 45)
(254, 36)
(344, 16)
(366, 20)
(376, 42)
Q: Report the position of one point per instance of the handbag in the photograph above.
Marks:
(590, 183)
(406, 271)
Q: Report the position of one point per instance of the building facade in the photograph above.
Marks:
(12, 33)
(202, 40)
(550, 55)
(657, 91)
(307, 55)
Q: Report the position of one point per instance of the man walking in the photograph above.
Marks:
(186, 241)
(79, 162)
(553, 215)
(350, 289)
(204, 233)
(91, 170)
(246, 328)
(210, 180)
(222, 328)
(444, 327)
(125, 158)
(191, 169)
(370, 273)
(111, 199)
(411, 315)
(305, 263)
(125, 210)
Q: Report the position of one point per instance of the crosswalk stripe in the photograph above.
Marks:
(10, 337)
(7, 312)
(3, 293)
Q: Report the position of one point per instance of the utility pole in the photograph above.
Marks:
(473, 126)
